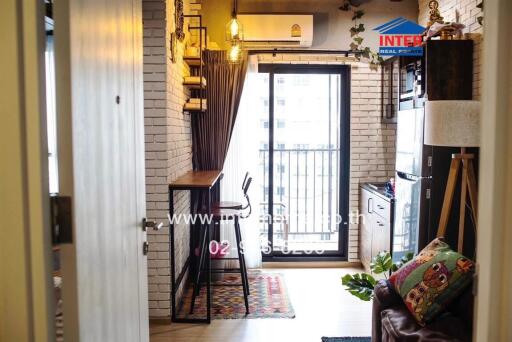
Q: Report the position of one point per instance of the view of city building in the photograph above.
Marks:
(306, 161)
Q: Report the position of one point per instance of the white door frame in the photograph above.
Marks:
(494, 299)
(26, 298)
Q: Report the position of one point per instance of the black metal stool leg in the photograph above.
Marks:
(243, 272)
(237, 228)
(240, 257)
(242, 265)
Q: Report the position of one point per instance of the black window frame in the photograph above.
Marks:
(344, 184)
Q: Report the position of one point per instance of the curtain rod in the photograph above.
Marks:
(346, 53)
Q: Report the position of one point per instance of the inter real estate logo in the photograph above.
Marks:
(400, 37)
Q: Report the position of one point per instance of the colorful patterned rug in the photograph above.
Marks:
(346, 339)
(268, 298)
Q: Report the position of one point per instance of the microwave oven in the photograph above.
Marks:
(411, 79)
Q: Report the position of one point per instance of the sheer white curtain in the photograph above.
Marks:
(242, 157)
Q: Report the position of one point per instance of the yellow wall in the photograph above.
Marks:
(25, 297)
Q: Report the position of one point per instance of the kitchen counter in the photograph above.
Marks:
(378, 189)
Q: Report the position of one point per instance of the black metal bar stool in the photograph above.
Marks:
(236, 205)
(220, 214)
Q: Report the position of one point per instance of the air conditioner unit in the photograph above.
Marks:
(277, 30)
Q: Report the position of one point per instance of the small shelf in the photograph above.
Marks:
(195, 105)
(195, 6)
(192, 61)
(194, 82)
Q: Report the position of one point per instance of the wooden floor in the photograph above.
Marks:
(321, 306)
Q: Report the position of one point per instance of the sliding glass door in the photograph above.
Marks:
(305, 162)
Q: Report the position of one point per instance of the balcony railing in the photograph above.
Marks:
(305, 194)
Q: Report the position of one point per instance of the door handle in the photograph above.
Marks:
(401, 175)
(370, 200)
(145, 248)
(151, 224)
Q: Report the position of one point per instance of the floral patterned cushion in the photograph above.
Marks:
(432, 279)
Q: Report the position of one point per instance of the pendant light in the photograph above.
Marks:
(234, 29)
(235, 52)
(234, 37)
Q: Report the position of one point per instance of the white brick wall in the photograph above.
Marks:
(372, 143)
(467, 12)
(168, 146)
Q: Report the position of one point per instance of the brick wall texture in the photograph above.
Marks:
(168, 146)
(372, 143)
(466, 12)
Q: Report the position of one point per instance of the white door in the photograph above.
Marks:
(98, 46)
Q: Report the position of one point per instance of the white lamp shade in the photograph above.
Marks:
(454, 123)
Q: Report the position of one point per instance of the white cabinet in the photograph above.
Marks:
(375, 224)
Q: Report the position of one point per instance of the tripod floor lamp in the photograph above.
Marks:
(455, 123)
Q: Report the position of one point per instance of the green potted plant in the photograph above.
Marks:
(362, 284)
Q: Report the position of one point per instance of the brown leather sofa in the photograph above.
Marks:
(393, 322)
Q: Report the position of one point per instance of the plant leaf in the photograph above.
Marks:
(354, 47)
(403, 260)
(345, 7)
(353, 31)
(358, 40)
(357, 14)
(408, 257)
(360, 285)
(360, 28)
(382, 262)
(480, 5)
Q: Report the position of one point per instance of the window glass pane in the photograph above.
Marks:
(51, 116)
(306, 162)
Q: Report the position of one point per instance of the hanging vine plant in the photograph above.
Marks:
(374, 59)
(480, 18)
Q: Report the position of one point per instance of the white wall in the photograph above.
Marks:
(168, 138)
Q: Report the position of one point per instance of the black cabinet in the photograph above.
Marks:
(444, 72)
(449, 69)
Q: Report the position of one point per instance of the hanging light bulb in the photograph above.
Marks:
(235, 37)
(234, 29)
(235, 52)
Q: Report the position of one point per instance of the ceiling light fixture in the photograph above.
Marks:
(234, 36)
(234, 29)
